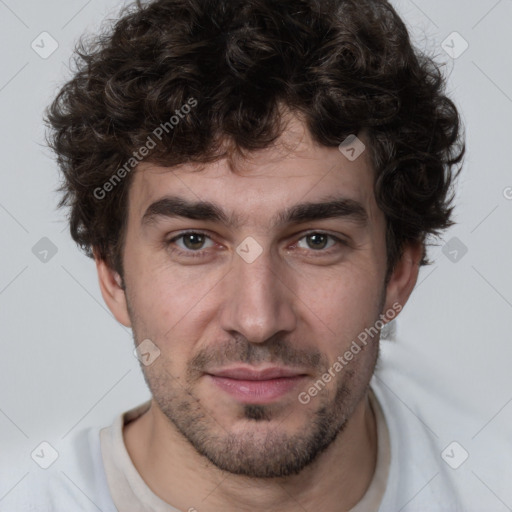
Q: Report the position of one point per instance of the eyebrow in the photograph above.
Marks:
(328, 208)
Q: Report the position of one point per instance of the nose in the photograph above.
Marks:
(258, 299)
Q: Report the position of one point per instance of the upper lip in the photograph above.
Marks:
(246, 373)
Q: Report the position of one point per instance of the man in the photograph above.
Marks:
(256, 182)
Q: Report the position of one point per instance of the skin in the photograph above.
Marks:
(297, 304)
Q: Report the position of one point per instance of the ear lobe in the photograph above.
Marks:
(404, 276)
(112, 290)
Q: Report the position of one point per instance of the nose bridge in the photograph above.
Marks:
(257, 304)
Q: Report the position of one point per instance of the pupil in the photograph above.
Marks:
(317, 237)
(194, 244)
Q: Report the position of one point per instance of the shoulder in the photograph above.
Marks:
(431, 463)
(74, 481)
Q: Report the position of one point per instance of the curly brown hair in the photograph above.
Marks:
(342, 65)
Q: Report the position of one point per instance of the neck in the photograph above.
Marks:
(335, 481)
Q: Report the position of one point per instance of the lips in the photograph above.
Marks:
(257, 386)
(245, 373)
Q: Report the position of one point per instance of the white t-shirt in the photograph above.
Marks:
(95, 472)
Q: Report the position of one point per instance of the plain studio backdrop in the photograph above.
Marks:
(66, 364)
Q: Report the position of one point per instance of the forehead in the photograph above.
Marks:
(294, 170)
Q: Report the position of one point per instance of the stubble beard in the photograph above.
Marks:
(263, 449)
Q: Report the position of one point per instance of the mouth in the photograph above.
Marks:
(257, 386)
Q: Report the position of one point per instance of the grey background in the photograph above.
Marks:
(67, 364)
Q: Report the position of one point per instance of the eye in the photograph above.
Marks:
(318, 241)
(191, 242)
(195, 244)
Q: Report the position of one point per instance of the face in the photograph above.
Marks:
(252, 298)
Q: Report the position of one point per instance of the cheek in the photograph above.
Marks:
(164, 293)
(174, 311)
(342, 304)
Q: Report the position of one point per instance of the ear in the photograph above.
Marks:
(404, 276)
(112, 291)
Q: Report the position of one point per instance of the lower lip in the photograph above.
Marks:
(257, 391)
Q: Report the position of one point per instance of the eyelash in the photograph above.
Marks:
(201, 252)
